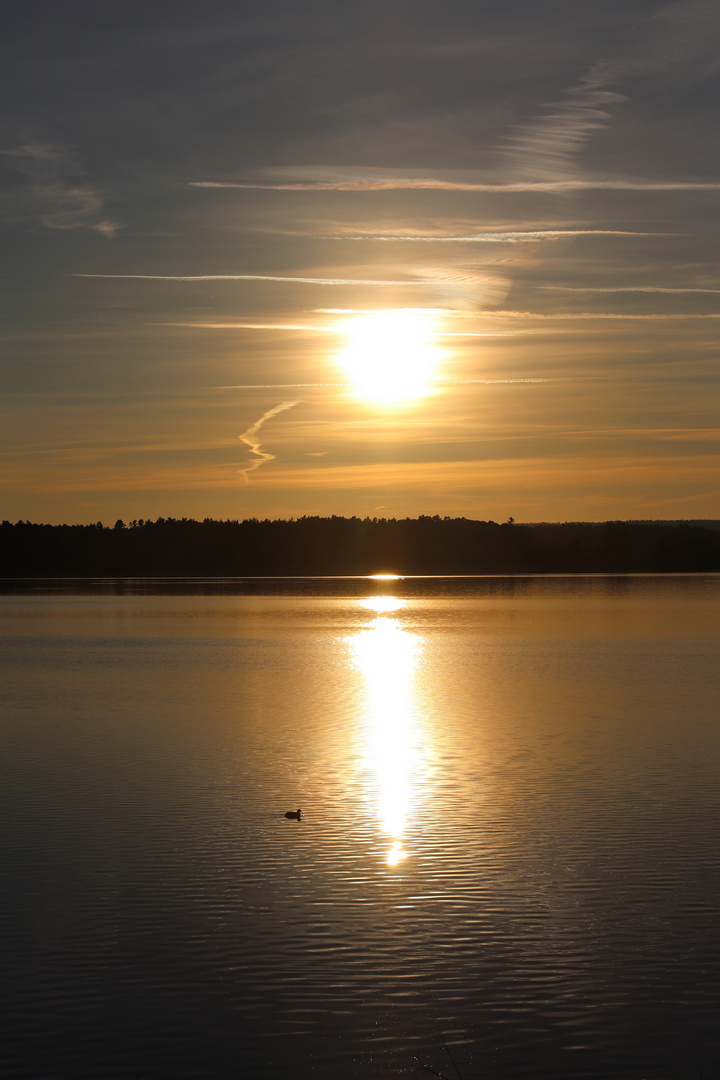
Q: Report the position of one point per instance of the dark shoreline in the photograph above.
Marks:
(316, 548)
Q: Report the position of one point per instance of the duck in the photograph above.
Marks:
(297, 814)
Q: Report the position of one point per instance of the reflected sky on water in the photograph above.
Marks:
(510, 833)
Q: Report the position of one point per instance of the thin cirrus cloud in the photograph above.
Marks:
(494, 332)
(459, 285)
(251, 277)
(547, 147)
(515, 236)
(429, 183)
(58, 191)
(305, 327)
(542, 153)
(625, 289)
(311, 328)
(572, 315)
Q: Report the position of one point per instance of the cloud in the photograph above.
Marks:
(547, 147)
(461, 284)
(466, 284)
(498, 236)
(250, 439)
(249, 277)
(677, 41)
(623, 289)
(537, 475)
(429, 183)
(280, 386)
(253, 326)
(531, 381)
(58, 191)
(565, 315)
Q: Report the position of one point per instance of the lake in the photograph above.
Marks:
(508, 859)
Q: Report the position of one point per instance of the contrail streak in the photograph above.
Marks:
(495, 237)
(250, 277)
(281, 386)
(431, 184)
(253, 326)
(569, 315)
(250, 440)
(624, 289)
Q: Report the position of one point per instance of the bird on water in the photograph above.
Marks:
(297, 814)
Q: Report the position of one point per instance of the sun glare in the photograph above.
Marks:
(390, 356)
(382, 604)
(387, 656)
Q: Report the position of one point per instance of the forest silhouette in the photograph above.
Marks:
(170, 547)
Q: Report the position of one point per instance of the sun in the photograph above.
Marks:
(390, 356)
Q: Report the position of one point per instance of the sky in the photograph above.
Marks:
(372, 257)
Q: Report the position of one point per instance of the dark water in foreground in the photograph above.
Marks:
(510, 837)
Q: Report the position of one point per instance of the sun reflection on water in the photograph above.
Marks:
(383, 603)
(387, 657)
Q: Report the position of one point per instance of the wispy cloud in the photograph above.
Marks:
(522, 382)
(305, 327)
(250, 439)
(465, 284)
(460, 285)
(624, 289)
(280, 386)
(498, 236)
(547, 147)
(339, 329)
(567, 315)
(250, 277)
(58, 189)
(550, 187)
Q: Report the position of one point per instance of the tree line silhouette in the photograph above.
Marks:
(172, 547)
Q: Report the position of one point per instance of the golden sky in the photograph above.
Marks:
(497, 296)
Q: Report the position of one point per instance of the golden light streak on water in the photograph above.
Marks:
(383, 604)
(387, 657)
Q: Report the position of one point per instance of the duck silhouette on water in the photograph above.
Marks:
(296, 814)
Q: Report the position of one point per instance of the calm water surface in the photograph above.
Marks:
(510, 793)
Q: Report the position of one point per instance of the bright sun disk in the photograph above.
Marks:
(391, 356)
